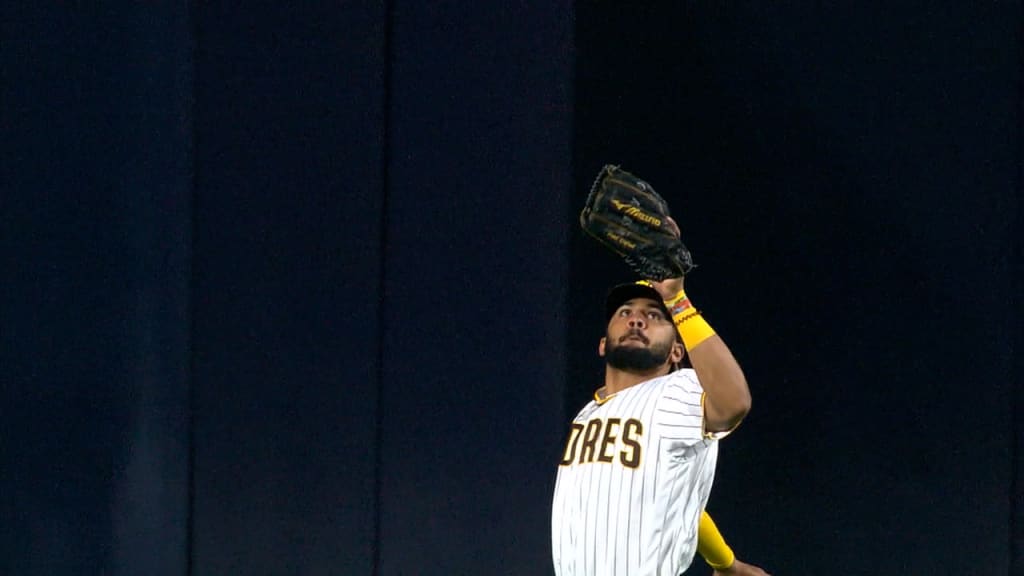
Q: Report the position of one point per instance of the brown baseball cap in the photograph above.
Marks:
(623, 293)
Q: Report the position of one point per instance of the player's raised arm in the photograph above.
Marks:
(726, 395)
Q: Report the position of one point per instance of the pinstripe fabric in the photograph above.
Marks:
(636, 473)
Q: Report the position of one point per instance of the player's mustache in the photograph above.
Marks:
(637, 333)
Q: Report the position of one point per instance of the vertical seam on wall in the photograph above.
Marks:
(192, 26)
(570, 384)
(385, 183)
(1016, 497)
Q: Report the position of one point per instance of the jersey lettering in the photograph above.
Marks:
(632, 427)
(599, 440)
(570, 446)
(609, 439)
(593, 429)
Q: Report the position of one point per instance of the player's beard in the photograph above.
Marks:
(635, 358)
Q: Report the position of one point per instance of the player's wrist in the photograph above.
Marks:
(679, 304)
(689, 321)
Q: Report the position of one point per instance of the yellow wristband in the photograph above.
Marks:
(692, 328)
(712, 546)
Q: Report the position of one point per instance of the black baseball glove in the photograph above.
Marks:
(625, 214)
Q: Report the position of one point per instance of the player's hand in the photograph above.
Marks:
(675, 227)
(741, 569)
(670, 287)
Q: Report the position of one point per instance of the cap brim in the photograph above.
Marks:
(623, 293)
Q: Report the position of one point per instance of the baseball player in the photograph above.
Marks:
(639, 460)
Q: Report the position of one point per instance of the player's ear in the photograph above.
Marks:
(677, 354)
(600, 347)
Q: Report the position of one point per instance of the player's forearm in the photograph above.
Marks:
(726, 394)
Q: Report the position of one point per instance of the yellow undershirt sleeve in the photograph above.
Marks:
(711, 545)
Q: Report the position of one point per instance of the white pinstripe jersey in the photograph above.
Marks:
(636, 473)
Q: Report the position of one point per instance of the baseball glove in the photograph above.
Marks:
(625, 214)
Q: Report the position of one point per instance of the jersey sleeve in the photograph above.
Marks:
(680, 412)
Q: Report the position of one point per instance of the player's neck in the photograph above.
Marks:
(616, 380)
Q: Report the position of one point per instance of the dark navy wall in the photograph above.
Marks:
(95, 201)
(273, 283)
(477, 269)
(289, 108)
